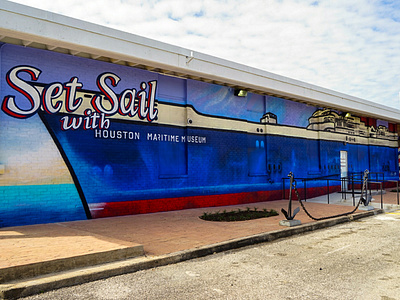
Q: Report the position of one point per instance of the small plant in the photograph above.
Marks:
(238, 215)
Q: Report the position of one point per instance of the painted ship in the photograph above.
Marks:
(148, 142)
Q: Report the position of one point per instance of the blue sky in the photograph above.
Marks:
(351, 47)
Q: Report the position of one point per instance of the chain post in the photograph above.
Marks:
(293, 182)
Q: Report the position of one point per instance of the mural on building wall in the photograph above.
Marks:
(85, 139)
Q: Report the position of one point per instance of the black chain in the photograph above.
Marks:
(335, 216)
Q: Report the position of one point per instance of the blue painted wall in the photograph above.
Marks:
(53, 175)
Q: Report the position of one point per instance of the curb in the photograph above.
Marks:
(33, 270)
(36, 285)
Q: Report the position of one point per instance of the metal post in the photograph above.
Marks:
(381, 195)
(290, 196)
(305, 189)
(341, 186)
(327, 183)
(397, 192)
(352, 190)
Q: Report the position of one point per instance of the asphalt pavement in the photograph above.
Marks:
(43, 257)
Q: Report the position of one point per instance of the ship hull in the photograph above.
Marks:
(137, 167)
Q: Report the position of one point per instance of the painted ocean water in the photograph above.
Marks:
(38, 204)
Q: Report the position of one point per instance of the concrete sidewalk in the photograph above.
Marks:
(37, 258)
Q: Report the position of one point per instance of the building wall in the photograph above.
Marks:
(72, 147)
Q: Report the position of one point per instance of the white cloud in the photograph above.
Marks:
(348, 46)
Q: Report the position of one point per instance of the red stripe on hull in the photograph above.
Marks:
(113, 209)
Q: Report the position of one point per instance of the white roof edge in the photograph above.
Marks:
(38, 26)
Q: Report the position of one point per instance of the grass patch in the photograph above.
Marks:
(238, 215)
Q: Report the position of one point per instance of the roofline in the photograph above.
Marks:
(24, 25)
